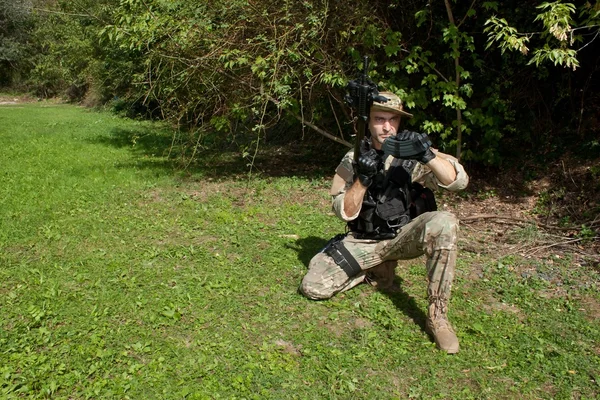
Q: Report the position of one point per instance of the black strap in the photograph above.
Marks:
(344, 259)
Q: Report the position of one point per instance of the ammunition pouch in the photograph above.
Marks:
(407, 149)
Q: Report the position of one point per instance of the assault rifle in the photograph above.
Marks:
(360, 94)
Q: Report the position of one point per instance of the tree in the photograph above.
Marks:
(243, 69)
(14, 25)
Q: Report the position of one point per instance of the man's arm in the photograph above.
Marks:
(353, 198)
(343, 182)
(435, 173)
(348, 188)
(347, 195)
(443, 170)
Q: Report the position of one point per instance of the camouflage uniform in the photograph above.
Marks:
(433, 234)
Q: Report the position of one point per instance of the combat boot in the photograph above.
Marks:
(439, 327)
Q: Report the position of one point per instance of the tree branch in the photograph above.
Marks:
(457, 81)
(321, 131)
(466, 14)
(430, 66)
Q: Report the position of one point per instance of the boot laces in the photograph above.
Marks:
(438, 317)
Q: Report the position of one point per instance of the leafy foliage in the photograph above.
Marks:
(14, 24)
(255, 71)
(558, 26)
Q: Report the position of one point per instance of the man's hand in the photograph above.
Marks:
(367, 166)
(405, 135)
(409, 145)
(427, 156)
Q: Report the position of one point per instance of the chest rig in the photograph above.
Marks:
(391, 202)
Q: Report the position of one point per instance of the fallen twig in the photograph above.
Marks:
(571, 241)
(566, 243)
(515, 221)
(587, 255)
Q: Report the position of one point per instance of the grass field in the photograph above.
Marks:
(123, 277)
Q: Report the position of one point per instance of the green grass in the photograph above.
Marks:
(123, 277)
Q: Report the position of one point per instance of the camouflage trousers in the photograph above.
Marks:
(433, 234)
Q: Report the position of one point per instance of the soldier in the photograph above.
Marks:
(391, 215)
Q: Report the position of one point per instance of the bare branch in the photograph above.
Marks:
(321, 131)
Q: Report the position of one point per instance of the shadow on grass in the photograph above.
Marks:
(316, 158)
(148, 147)
(407, 305)
(307, 248)
(145, 141)
(153, 148)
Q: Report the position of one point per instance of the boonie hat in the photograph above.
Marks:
(393, 105)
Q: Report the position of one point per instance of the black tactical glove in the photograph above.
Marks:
(406, 135)
(409, 145)
(367, 166)
(427, 156)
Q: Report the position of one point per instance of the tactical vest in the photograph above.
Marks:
(391, 202)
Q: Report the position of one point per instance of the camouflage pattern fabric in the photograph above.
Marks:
(433, 234)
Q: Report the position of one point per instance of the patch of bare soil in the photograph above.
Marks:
(554, 216)
(6, 99)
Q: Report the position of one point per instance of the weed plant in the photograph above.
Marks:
(122, 277)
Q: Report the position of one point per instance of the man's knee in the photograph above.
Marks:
(315, 290)
(318, 284)
(442, 231)
(445, 217)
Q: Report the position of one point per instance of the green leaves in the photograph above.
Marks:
(421, 17)
(490, 5)
(505, 36)
(243, 68)
(557, 20)
(453, 101)
(558, 56)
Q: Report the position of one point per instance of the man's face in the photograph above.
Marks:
(382, 124)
